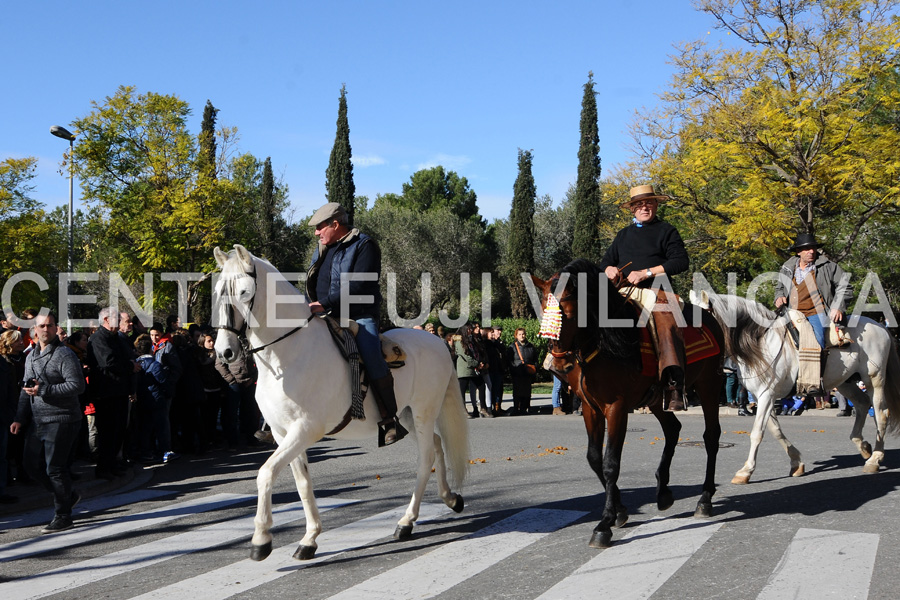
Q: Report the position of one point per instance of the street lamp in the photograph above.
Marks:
(62, 132)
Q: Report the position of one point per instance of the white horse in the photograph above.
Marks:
(304, 392)
(758, 340)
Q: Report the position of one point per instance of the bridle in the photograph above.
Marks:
(576, 354)
(242, 332)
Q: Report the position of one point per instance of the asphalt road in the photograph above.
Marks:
(531, 504)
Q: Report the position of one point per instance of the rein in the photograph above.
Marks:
(242, 332)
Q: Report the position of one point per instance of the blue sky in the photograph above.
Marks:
(463, 84)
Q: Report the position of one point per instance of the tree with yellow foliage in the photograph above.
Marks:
(778, 132)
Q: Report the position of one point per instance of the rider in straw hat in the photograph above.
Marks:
(644, 255)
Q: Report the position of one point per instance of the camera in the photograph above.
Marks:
(30, 382)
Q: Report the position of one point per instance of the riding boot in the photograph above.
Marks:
(670, 353)
(389, 428)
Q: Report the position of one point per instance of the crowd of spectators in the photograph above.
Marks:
(145, 395)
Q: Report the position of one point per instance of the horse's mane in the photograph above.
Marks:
(744, 322)
(617, 343)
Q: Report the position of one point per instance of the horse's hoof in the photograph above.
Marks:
(869, 469)
(458, 504)
(665, 500)
(704, 510)
(799, 470)
(305, 552)
(260, 552)
(621, 518)
(403, 532)
(741, 479)
(601, 539)
(866, 450)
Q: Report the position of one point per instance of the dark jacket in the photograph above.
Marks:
(152, 380)
(516, 364)
(356, 253)
(166, 355)
(109, 361)
(832, 281)
(652, 244)
(61, 381)
(242, 371)
(494, 350)
(9, 394)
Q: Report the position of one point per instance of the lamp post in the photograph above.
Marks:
(62, 132)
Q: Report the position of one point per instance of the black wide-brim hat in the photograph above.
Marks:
(804, 242)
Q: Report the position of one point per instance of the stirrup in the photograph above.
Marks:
(390, 431)
(673, 400)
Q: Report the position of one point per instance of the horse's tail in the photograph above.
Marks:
(892, 389)
(453, 427)
(743, 327)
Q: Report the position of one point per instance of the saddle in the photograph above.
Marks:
(345, 340)
(393, 354)
(812, 358)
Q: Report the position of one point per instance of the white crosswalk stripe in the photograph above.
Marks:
(441, 569)
(94, 531)
(144, 555)
(843, 565)
(655, 550)
(639, 565)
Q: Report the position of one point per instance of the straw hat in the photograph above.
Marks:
(642, 192)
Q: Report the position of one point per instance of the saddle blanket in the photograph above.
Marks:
(699, 343)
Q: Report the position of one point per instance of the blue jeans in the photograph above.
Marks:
(47, 451)
(819, 322)
(557, 387)
(240, 415)
(370, 348)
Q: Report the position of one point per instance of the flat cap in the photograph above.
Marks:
(332, 210)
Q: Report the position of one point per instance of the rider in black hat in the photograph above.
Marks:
(814, 285)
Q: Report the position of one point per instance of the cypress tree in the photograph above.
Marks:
(267, 206)
(207, 157)
(586, 238)
(339, 185)
(520, 243)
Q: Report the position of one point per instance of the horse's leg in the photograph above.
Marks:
(454, 501)
(708, 389)
(617, 422)
(427, 443)
(861, 404)
(308, 546)
(764, 417)
(289, 449)
(874, 461)
(595, 425)
(671, 427)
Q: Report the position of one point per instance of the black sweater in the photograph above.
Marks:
(656, 243)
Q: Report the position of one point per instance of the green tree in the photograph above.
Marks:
(339, 186)
(414, 242)
(29, 240)
(775, 133)
(553, 228)
(207, 157)
(436, 188)
(586, 239)
(520, 253)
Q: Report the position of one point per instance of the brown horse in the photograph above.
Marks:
(601, 361)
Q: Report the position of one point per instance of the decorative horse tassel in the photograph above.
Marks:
(551, 323)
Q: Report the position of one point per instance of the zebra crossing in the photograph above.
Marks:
(645, 557)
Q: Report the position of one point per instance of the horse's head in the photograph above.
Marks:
(234, 294)
(559, 325)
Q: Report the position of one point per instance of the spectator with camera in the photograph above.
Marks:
(51, 414)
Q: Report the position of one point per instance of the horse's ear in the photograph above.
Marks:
(538, 282)
(244, 255)
(221, 257)
(700, 298)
